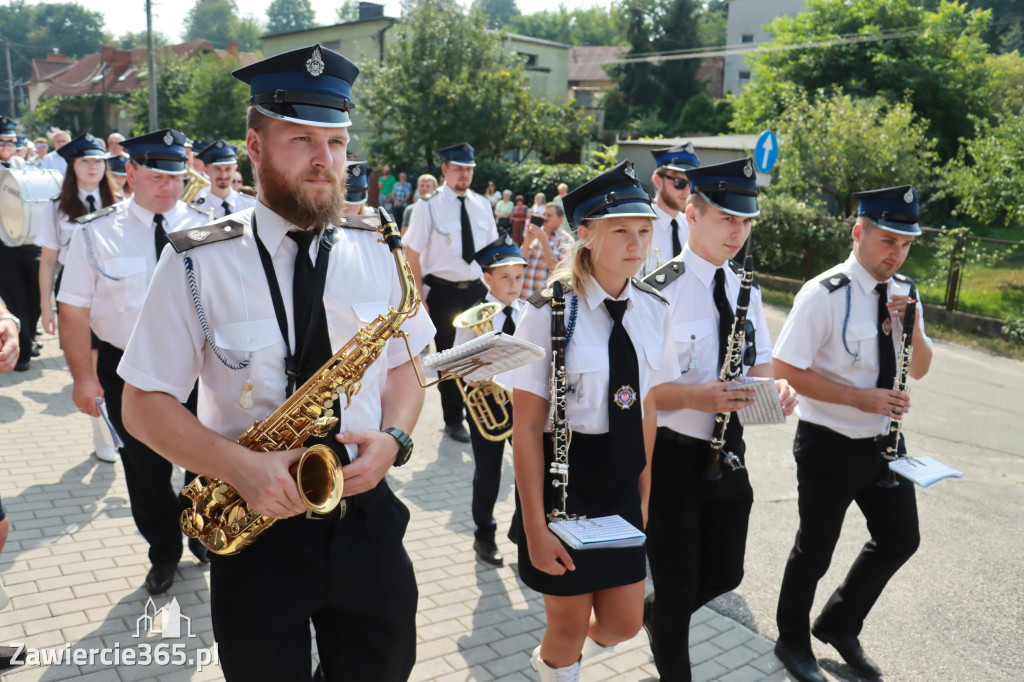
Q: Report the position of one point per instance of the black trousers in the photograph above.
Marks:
(696, 539)
(351, 577)
(834, 471)
(19, 288)
(156, 504)
(446, 302)
(488, 457)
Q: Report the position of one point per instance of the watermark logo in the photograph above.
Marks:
(165, 621)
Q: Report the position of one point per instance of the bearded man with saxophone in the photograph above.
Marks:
(253, 305)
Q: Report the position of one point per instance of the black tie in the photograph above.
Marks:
(159, 236)
(510, 326)
(886, 351)
(468, 249)
(302, 286)
(92, 202)
(625, 423)
(677, 247)
(725, 315)
(226, 206)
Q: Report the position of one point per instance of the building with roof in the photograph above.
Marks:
(746, 27)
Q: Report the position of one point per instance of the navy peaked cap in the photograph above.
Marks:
(460, 154)
(162, 150)
(84, 145)
(730, 186)
(502, 251)
(895, 209)
(682, 157)
(616, 192)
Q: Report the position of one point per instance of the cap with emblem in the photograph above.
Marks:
(356, 181)
(21, 142)
(682, 157)
(83, 146)
(7, 126)
(117, 164)
(162, 151)
(310, 85)
(894, 208)
(502, 251)
(460, 154)
(613, 194)
(218, 153)
(729, 186)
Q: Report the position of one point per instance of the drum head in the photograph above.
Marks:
(24, 196)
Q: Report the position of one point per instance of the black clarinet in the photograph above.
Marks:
(732, 369)
(889, 444)
(559, 385)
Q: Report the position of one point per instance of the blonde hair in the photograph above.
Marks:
(576, 269)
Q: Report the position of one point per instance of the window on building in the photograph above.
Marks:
(744, 75)
(747, 38)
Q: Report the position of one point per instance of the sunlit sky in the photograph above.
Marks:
(123, 16)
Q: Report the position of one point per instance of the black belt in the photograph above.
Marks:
(347, 505)
(676, 438)
(435, 281)
(831, 433)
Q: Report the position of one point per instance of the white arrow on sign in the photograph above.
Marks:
(767, 148)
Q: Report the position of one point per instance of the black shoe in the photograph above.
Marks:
(649, 624)
(850, 649)
(488, 551)
(21, 367)
(160, 578)
(457, 432)
(199, 550)
(800, 663)
(36, 348)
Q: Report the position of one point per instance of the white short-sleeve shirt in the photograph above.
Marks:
(435, 232)
(56, 229)
(110, 262)
(236, 202)
(586, 354)
(661, 239)
(840, 343)
(169, 350)
(695, 327)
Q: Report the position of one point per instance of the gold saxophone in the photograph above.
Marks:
(219, 517)
(195, 184)
(494, 423)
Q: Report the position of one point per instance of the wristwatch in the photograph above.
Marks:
(404, 444)
(8, 316)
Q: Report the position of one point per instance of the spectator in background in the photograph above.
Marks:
(236, 181)
(491, 193)
(545, 245)
(538, 205)
(426, 186)
(42, 147)
(503, 212)
(114, 141)
(385, 183)
(53, 159)
(519, 212)
(401, 195)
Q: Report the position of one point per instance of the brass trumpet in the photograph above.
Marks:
(195, 184)
(489, 405)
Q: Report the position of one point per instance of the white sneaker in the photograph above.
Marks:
(103, 450)
(591, 649)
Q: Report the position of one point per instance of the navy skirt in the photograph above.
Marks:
(601, 483)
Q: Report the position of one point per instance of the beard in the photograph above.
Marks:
(290, 200)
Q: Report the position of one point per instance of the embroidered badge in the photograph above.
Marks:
(356, 171)
(628, 170)
(909, 196)
(168, 138)
(89, 137)
(625, 397)
(887, 326)
(748, 169)
(198, 235)
(315, 63)
(220, 144)
(508, 241)
(660, 278)
(372, 222)
(835, 281)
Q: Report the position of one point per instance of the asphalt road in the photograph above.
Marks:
(954, 612)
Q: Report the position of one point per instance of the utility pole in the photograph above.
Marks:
(152, 66)
(10, 78)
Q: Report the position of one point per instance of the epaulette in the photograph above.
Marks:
(666, 274)
(198, 202)
(542, 297)
(370, 223)
(195, 206)
(738, 269)
(89, 217)
(836, 282)
(647, 288)
(218, 231)
(55, 197)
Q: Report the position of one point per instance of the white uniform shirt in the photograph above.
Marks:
(56, 229)
(465, 334)
(812, 338)
(236, 202)
(695, 327)
(169, 349)
(661, 239)
(435, 232)
(55, 161)
(586, 354)
(111, 277)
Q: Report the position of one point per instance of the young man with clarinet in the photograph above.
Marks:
(838, 348)
(700, 493)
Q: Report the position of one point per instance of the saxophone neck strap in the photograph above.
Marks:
(293, 360)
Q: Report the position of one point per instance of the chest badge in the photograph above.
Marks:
(625, 397)
(887, 326)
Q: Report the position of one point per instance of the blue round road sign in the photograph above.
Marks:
(766, 151)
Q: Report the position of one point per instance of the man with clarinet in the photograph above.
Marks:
(838, 348)
(700, 493)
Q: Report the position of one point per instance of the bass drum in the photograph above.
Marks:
(25, 195)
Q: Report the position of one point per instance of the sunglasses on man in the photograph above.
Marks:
(678, 183)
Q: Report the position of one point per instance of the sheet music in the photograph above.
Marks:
(924, 471)
(767, 408)
(485, 356)
(115, 439)
(604, 532)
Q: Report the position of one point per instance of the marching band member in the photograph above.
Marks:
(19, 265)
(357, 179)
(671, 190)
(838, 349)
(220, 160)
(619, 347)
(696, 536)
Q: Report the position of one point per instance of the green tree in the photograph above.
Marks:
(218, 22)
(131, 40)
(249, 34)
(472, 89)
(986, 175)
(591, 26)
(712, 24)
(498, 12)
(347, 11)
(934, 59)
(290, 15)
